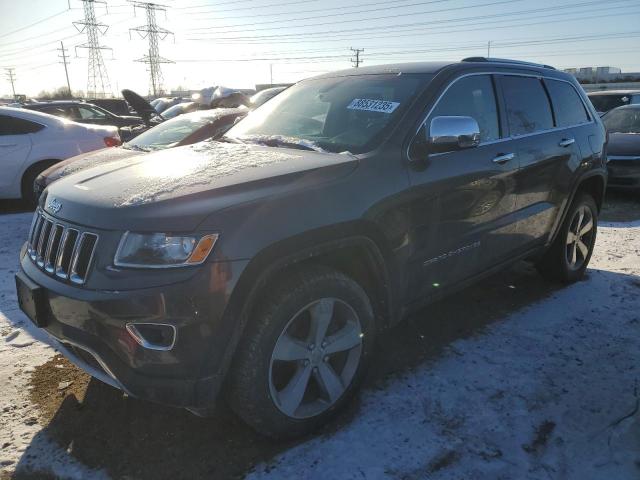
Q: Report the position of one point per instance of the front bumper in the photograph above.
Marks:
(624, 172)
(89, 327)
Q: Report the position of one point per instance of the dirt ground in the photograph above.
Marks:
(129, 438)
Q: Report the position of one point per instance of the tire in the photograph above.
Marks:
(558, 262)
(279, 352)
(28, 180)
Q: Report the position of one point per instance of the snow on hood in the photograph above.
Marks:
(198, 165)
(81, 162)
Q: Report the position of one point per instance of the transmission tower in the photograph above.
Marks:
(98, 85)
(355, 60)
(65, 61)
(154, 33)
(12, 78)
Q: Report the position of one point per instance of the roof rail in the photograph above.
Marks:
(506, 60)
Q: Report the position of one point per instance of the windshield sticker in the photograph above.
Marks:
(381, 106)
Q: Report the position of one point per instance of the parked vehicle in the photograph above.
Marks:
(270, 261)
(264, 95)
(117, 106)
(180, 109)
(32, 141)
(623, 150)
(187, 129)
(606, 100)
(83, 112)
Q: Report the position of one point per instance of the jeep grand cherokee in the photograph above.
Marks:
(266, 264)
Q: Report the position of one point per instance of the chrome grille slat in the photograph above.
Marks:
(42, 242)
(61, 250)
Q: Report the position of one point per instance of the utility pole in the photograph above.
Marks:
(64, 62)
(271, 73)
(97, 79)
(12, 78)
(356, 61)
(153, 32)
(489, 49)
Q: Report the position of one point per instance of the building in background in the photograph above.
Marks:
(603, 75)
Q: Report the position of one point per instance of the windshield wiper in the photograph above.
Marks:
(130, 146)
(286, 142)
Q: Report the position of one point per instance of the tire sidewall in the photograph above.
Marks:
(583, 200)
(282, 307)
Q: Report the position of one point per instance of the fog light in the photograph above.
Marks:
(154, 336)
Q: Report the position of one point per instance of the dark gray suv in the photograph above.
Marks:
(266, 264)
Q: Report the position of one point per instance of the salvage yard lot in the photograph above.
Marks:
(512, 378)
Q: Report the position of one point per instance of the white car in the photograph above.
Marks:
(32, 141)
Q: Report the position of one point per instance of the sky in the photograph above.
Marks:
(241, 43)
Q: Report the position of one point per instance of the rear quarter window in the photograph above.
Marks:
(567, 105)
(17, 126)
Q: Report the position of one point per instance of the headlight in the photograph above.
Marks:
(160, 250)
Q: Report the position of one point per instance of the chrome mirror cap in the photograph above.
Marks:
(453, 133)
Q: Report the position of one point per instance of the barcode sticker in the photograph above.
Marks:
(381, 106)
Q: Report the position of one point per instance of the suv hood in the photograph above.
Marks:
(175, 189)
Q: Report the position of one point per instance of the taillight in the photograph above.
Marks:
(112, 141)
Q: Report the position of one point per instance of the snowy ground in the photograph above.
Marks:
(548, 391)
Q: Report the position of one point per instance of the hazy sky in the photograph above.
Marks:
(233, 42)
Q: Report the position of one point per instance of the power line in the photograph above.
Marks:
(34, 23)
(98, 85)
(153, 32)
(64, 57)
(432, 24)
(355, 59)
(252, 7)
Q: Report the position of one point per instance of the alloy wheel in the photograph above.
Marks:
(315, 358)
(580, 238)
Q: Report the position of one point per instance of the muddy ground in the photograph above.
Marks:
(129, 438)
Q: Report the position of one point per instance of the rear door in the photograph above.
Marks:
(461, 215)
(544, 152)
(15, 146)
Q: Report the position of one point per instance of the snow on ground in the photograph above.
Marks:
(22, 348)
(551, 391)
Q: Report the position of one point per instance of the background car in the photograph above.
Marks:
(623, 150)
(83, 112)
(32, 141)
(116, 106)
(264, 95)
(180, 109)
(609, 99)
(183, 130)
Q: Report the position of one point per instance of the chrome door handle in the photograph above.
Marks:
(507, 157)
(8, 145)
(565, 142)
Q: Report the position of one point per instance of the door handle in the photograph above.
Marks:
(8, 145)
(507, 157)
(565, 142)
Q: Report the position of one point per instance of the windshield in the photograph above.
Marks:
(623, 120)
(604, 103)
(336, 114)
(168, 133)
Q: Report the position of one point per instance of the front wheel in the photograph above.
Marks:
(304, 353)
(569, 255)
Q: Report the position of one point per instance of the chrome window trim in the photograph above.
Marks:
(510, 137)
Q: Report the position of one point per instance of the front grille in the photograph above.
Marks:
(61, 250)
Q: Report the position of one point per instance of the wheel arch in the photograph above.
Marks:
(356, 249)
(38, 166)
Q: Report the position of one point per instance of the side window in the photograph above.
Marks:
(17, 126)
(57, 111)
(567, 104)
(527, 104)
(87, 113)
(472, 97)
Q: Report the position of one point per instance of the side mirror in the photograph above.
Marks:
(449, 134)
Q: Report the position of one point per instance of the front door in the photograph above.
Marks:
(462, 212)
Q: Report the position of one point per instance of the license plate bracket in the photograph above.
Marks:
(32, 300)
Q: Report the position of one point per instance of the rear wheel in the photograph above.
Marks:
(304, 354)
(568, 257)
